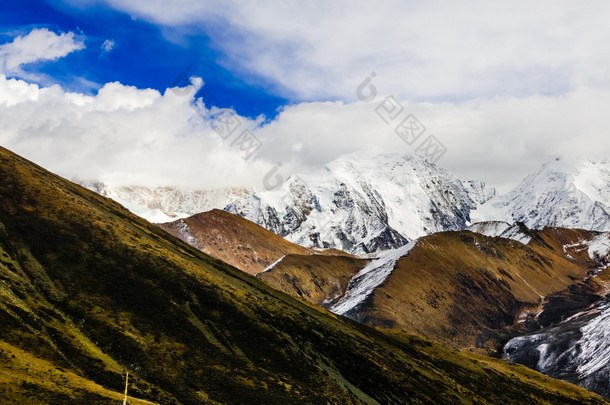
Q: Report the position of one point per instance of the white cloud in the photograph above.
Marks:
(499, 141)
(126, 135)
(123, 135)
(38, 45)
(108, 46)
(505, 86)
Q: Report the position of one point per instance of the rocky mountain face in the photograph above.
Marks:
(89, 291)
(166, 204)
(576, 349)
(561, 194)
(365, 204)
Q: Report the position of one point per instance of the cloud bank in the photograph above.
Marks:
(125, 135)
(503, 87)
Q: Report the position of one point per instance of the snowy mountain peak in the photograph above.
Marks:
(479, 191)
(364, 204)
(561, 193)
(166, 204)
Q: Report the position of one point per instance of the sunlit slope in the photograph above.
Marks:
(238, 241)
(233, 239)
(452, 286)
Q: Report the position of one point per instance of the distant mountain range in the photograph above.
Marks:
(168, 203)
(397, 242)
(366, 204)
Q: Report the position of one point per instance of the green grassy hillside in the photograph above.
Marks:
(89, 291)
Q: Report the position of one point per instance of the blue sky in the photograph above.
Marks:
(142, 55)
(503, 87)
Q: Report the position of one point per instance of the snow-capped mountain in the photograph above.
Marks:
(479, 191)
(368, 204)
(559, 194)
(166, 204)
(364, 204)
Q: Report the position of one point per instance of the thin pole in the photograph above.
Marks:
(126, 382)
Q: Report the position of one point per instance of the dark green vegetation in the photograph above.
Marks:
(88, 290)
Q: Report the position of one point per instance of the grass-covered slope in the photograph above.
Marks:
(319, 279)
(238, 241)
(453, 286)
(233, 239)
(88, 291)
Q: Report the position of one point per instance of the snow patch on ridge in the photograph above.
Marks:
(369, 278)
(271, 266)
(599, 247)
(489, 228)
(515, 233)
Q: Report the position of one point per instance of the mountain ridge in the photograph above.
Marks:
(369, 203)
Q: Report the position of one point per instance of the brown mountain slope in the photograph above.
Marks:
(319, 276)
(455, 287)
(236, 241)
(88, 291)
(319, 279)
